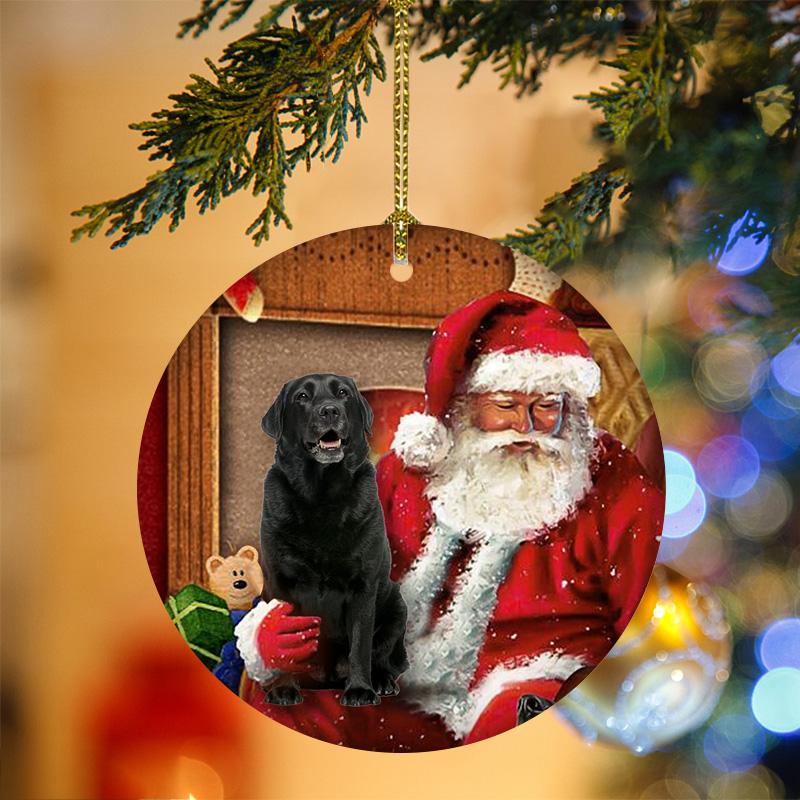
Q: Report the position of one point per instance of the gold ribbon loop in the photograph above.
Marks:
(401, 218)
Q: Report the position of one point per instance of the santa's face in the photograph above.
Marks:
(524, 413)
(519, 462)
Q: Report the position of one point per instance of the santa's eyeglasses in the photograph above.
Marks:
(545, 413)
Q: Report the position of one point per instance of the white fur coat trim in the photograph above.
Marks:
(425, 578)
(448, 654)
(531, 372)
(460, 708)
(544, 666)
(443, 660)
(246, 633)
(421, 440)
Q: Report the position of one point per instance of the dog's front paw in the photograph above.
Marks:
(384, 683)
(284, 696)
(357, 696)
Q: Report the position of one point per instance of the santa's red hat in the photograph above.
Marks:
(502, 342)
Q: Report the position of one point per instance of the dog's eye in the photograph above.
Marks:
(342, 392)
(302, 396)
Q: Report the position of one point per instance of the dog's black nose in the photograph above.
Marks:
(240, 584)
(329, 412)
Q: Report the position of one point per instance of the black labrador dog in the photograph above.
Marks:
(323, 541)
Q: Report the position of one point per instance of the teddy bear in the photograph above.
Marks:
(237, 579)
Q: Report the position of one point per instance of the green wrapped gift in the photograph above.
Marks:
(203, 619)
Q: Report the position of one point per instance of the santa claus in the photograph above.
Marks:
(522, 537)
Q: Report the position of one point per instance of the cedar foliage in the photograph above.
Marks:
(686, 164)
(279, 97)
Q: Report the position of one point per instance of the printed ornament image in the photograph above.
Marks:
(518, 466)
(202, 619)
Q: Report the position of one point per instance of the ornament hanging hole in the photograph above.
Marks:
(401, 271)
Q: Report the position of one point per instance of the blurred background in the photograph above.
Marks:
(98, 690)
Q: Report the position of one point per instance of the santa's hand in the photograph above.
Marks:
(285, 642)
(270, 640)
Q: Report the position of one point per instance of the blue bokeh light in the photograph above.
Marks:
(776, 700)
(770, 405)
(786, 368)
(688, 519)
(779, 644)
(728, 466)
(773, 438)
(734, 743)
(742, 254)
(680, 480)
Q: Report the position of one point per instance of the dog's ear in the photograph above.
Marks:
(272, 421)
(364, 409)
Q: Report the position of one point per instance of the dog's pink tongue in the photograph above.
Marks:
(330, 445)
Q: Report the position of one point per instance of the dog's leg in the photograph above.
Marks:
(398, 659)
(283, 691)
(360, 617)
(388, 649)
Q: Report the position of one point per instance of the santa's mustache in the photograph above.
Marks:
(487, 441)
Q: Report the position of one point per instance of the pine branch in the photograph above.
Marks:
(657, 68)
(280, 96)
(570, 219)
(728, 176)
(236, 10)
(519, 39)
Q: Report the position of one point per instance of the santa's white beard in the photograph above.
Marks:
(483, 487)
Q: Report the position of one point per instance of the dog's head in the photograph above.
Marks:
(321, 417)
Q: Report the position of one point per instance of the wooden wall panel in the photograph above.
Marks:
(344, 277)
(193, 454)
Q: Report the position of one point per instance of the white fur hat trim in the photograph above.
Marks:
(246, 633)
(531, 372)
(421, 440)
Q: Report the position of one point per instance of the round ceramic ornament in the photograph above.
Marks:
(495, 427)
(401, 488)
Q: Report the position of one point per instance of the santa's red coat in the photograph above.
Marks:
(566, 597)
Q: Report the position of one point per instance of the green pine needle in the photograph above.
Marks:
(571, 218)
(518, 39)
(656, 68)
(279, 96)
(236, 10)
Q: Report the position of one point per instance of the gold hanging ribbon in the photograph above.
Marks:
(401, 218)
